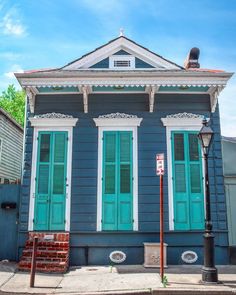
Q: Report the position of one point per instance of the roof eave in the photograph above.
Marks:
(91, 74)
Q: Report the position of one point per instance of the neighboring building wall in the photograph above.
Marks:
(12, 148)
(151, 140)
(229, 162)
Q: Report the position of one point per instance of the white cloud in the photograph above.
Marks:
(11, 25)
(14, 69)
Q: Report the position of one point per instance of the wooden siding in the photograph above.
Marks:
(104, 64)
(12, 148)
(151, 140)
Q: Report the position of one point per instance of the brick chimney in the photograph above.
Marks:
(191, 60)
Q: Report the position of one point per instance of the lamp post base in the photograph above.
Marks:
(209, 275)
(209, 271)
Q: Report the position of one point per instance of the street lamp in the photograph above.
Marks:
(209, 271)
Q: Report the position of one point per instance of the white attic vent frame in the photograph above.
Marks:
(121, 62)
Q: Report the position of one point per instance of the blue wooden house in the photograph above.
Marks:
(93, 128)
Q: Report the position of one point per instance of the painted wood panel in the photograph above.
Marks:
(12, 149)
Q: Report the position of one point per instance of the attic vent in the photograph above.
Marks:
(121, 62)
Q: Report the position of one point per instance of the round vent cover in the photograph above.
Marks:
(189, 257)
(117, 256)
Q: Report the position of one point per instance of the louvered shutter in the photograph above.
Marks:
(125, 200)
(181, 202)
(59, 163)
(109, 205)
(41, 210)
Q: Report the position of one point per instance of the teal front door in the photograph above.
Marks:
(187, 181)
(50, 191)
(117, 179)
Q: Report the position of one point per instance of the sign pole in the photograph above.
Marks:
(160, 172)
(161, 230)
(33, 262)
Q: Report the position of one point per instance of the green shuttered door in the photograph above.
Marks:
(51, 181)
(187, 181)
(117, 207)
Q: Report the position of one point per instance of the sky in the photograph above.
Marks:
(50, 33)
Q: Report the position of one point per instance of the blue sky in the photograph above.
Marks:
(50, 33)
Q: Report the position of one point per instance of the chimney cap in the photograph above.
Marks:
(192, 59)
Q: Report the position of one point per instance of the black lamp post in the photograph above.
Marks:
(209, 271)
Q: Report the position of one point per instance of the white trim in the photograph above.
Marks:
(31, 95)
(53, 122)
(106, 122)
(33, 173)
(115, 127)
(134, 78)
(121, 44)
(178, 124)
(129, 58)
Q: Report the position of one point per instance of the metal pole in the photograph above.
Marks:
(161, 230)
(33, 262)
(209, 271)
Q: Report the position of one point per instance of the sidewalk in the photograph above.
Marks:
(118, 280)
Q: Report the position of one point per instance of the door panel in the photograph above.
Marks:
(51, 181)
(117, 205)
(58, 192)
(125, 176)
(109, 206)
(41, 210)
(187, 181)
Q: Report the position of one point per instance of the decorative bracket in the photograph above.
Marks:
(152, 90)
(214, 92)
(31, 93)
(85, 89)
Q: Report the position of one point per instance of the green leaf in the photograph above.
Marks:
(13, 102)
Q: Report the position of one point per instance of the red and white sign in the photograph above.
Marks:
(160, 164)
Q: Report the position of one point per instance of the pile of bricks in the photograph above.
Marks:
(52, 252)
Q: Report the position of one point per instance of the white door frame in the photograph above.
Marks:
(37, 128)
(178, 122)
(117, 124)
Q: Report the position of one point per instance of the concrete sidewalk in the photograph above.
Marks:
(117, 280)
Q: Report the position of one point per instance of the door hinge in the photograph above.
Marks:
(64, 221)
(37, 138)
(132, 138)
(67, 138)
(101, 220)
(133, 220)
(33, 220)
(102, 138)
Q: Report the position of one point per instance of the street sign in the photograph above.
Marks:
(160, 172)
(160, 164)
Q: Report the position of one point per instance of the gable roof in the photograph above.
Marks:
(117, 44)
